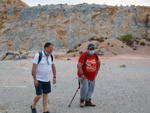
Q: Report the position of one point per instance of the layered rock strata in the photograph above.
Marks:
(68, 25)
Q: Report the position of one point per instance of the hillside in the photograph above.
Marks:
(66, 26)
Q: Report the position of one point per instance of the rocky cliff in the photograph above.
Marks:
(8, 4)
(68, 25)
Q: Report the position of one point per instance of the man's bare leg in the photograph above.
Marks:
(36, 99)
(45, 102)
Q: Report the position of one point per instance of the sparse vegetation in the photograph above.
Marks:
(70, 51)
(92, 38)
(75, 47)
(148, 39)
(80, 52)
(101, 39)
(137, 42)
(148, 44)
(96, 39)
(114, 53)
(76, 50)
(79, 45)
(128, 39)
(142, 43)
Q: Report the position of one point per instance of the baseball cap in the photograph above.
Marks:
(91, 46)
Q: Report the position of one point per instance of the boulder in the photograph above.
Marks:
(24, 56)
(2, 57)
(9, 57)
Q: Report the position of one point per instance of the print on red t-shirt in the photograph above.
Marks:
(90, 66)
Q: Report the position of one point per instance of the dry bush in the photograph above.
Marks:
(70, 51)
(142, 43)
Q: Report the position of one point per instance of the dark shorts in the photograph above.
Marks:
(43, 88)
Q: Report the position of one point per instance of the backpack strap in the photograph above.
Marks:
(96, 56)
(51, 57)
(40, 56)
(85, 56)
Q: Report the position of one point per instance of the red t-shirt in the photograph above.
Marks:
(90, 66)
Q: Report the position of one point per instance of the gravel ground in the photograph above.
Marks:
(118, 89)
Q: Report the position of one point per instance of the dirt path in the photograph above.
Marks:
(118, 89)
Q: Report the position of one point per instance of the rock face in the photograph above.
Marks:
(68, 25)
(8, 4)
(9, 55)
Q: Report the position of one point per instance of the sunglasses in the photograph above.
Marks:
(92, 48)
(47, 61)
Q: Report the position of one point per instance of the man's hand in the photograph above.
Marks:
(54, 80)
(83, 77)
(36, 83)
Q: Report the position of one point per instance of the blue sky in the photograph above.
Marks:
(101, 2)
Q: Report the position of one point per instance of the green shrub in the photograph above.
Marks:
(122, 46)
(112, 45)
(128, 39)
(108, 43)
(79, 45)
(142, 43)
(80, 52)
(92, 38)
(76, 50)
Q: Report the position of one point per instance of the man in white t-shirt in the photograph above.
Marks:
(41, 70)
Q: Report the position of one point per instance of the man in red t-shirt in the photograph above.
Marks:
(88, 67)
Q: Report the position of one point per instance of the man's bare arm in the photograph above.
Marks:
(34, 74)
(98, 66)
(54, 73)
(81, 70)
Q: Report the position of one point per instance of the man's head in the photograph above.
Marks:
(91, 49)
(48, 47)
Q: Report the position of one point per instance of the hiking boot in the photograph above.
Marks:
(89, 103)
(81, 103)
(33, 109)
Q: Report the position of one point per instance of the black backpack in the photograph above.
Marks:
(40, 57)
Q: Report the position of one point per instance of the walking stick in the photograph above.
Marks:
(74, 96)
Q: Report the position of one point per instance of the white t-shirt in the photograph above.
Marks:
(44, 67)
